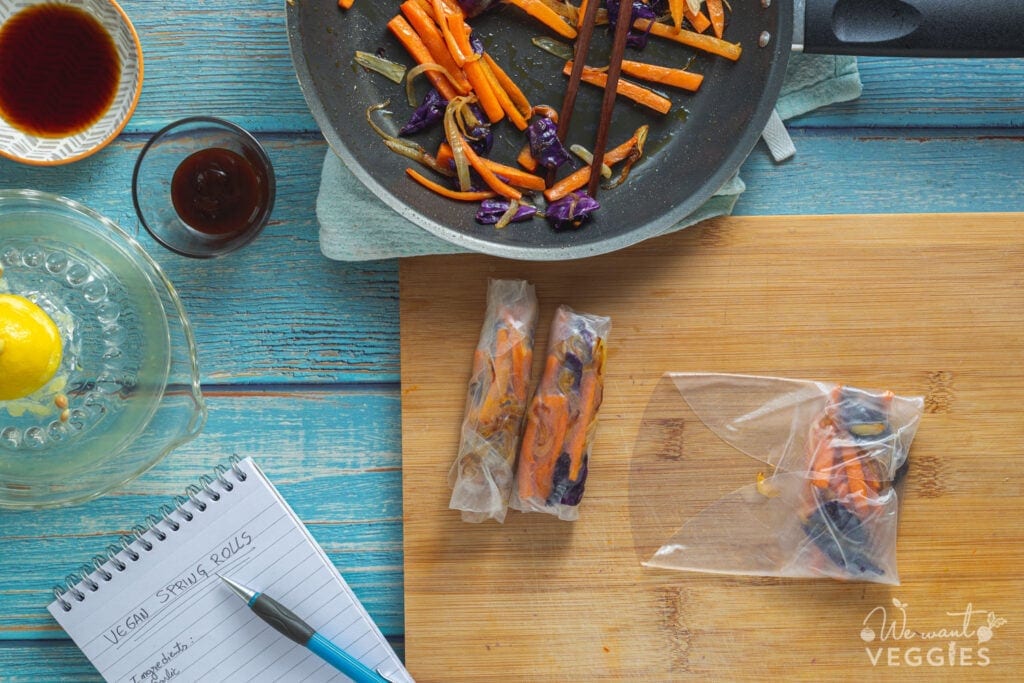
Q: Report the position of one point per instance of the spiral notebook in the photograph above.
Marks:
(156, 611)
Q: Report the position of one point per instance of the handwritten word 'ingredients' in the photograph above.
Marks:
(159, 671)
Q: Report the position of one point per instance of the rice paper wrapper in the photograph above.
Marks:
(482, 475)
(767, 476)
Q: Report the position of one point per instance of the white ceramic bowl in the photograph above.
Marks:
(28, 148)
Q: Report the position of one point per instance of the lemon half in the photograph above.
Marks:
(30, 347)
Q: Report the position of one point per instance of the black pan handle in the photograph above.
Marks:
(913, 28)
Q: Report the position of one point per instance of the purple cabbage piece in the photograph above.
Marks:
(428, 114)
(481, 139)
(566, 491)
(571, 210)
(636, 39)
(545, 146)
(475, 7)
(491, 210)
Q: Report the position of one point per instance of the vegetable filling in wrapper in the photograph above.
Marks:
(562, 419)
(817, 497)
(481, 477)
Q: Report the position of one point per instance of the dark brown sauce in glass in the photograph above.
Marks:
(59, 70)
(217, 191)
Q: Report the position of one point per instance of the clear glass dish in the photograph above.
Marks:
(127, 391)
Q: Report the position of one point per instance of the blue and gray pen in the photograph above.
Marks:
(286, 622)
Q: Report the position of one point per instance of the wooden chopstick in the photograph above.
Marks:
(583, 36)
(622, 26)
(582, 46)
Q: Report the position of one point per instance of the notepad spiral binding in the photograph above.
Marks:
(131, 544)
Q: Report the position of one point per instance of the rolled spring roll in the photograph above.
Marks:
(482, 475)
(562, 419)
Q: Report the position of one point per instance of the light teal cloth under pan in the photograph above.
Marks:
(357, 226)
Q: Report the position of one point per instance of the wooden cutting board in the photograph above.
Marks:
(929, 305)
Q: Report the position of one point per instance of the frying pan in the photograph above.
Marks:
(691, 152)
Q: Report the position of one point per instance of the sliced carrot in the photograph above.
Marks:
(859, 490)
(637, 93)
(522, 360)
(447, 192)
(541, 445)
(715, 46)
(677, 78)
(698, 21)
(442, 17)
(576, 441)
(489, 102)
(676, 9)
(411, 41)
(488, 176)
(502, 95)
(822, 460)
(582, 12)
(581, 176)
(430, 34)
(515, 177)
(345, 4)
(526, 160)
(514, 93)
(717, 15)
(545, 15)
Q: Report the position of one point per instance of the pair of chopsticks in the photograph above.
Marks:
(586, 31)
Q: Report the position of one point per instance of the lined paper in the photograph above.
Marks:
(167, 616)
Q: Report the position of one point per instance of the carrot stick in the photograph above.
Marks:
(676, 11)
(488, 176)
(411, 41)
(446, 192)
(698, 21)
(522, 359)
(542, 441)
(431, 36)
(855, 476)
(474, 70)
(822, 460)
(677, 78)
(577, 437)
(503, 99)
(514, 93)
(526, 160)
(516, 177)
(581, 13)
(635, 92)
(581, 176)
(441, 16)
(717, 15)
(345, 4)
(546, 16)
(699, 41)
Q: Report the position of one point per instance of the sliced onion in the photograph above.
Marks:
(386, 68)
(456, 142)
(510, 213)
(588, 158)
(552, 46)
(406, 148)
(420, 68)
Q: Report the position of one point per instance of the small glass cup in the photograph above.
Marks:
(203, 187)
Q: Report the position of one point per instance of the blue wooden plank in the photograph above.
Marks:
(930, 93)
(334, 455)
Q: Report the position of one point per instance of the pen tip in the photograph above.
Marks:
(240, 590)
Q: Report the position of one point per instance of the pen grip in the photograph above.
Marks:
(282, 619)
(343, 661)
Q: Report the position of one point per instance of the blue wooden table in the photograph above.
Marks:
(300, 355)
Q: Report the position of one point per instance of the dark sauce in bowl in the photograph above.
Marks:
(218, 191)
(59, 70)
